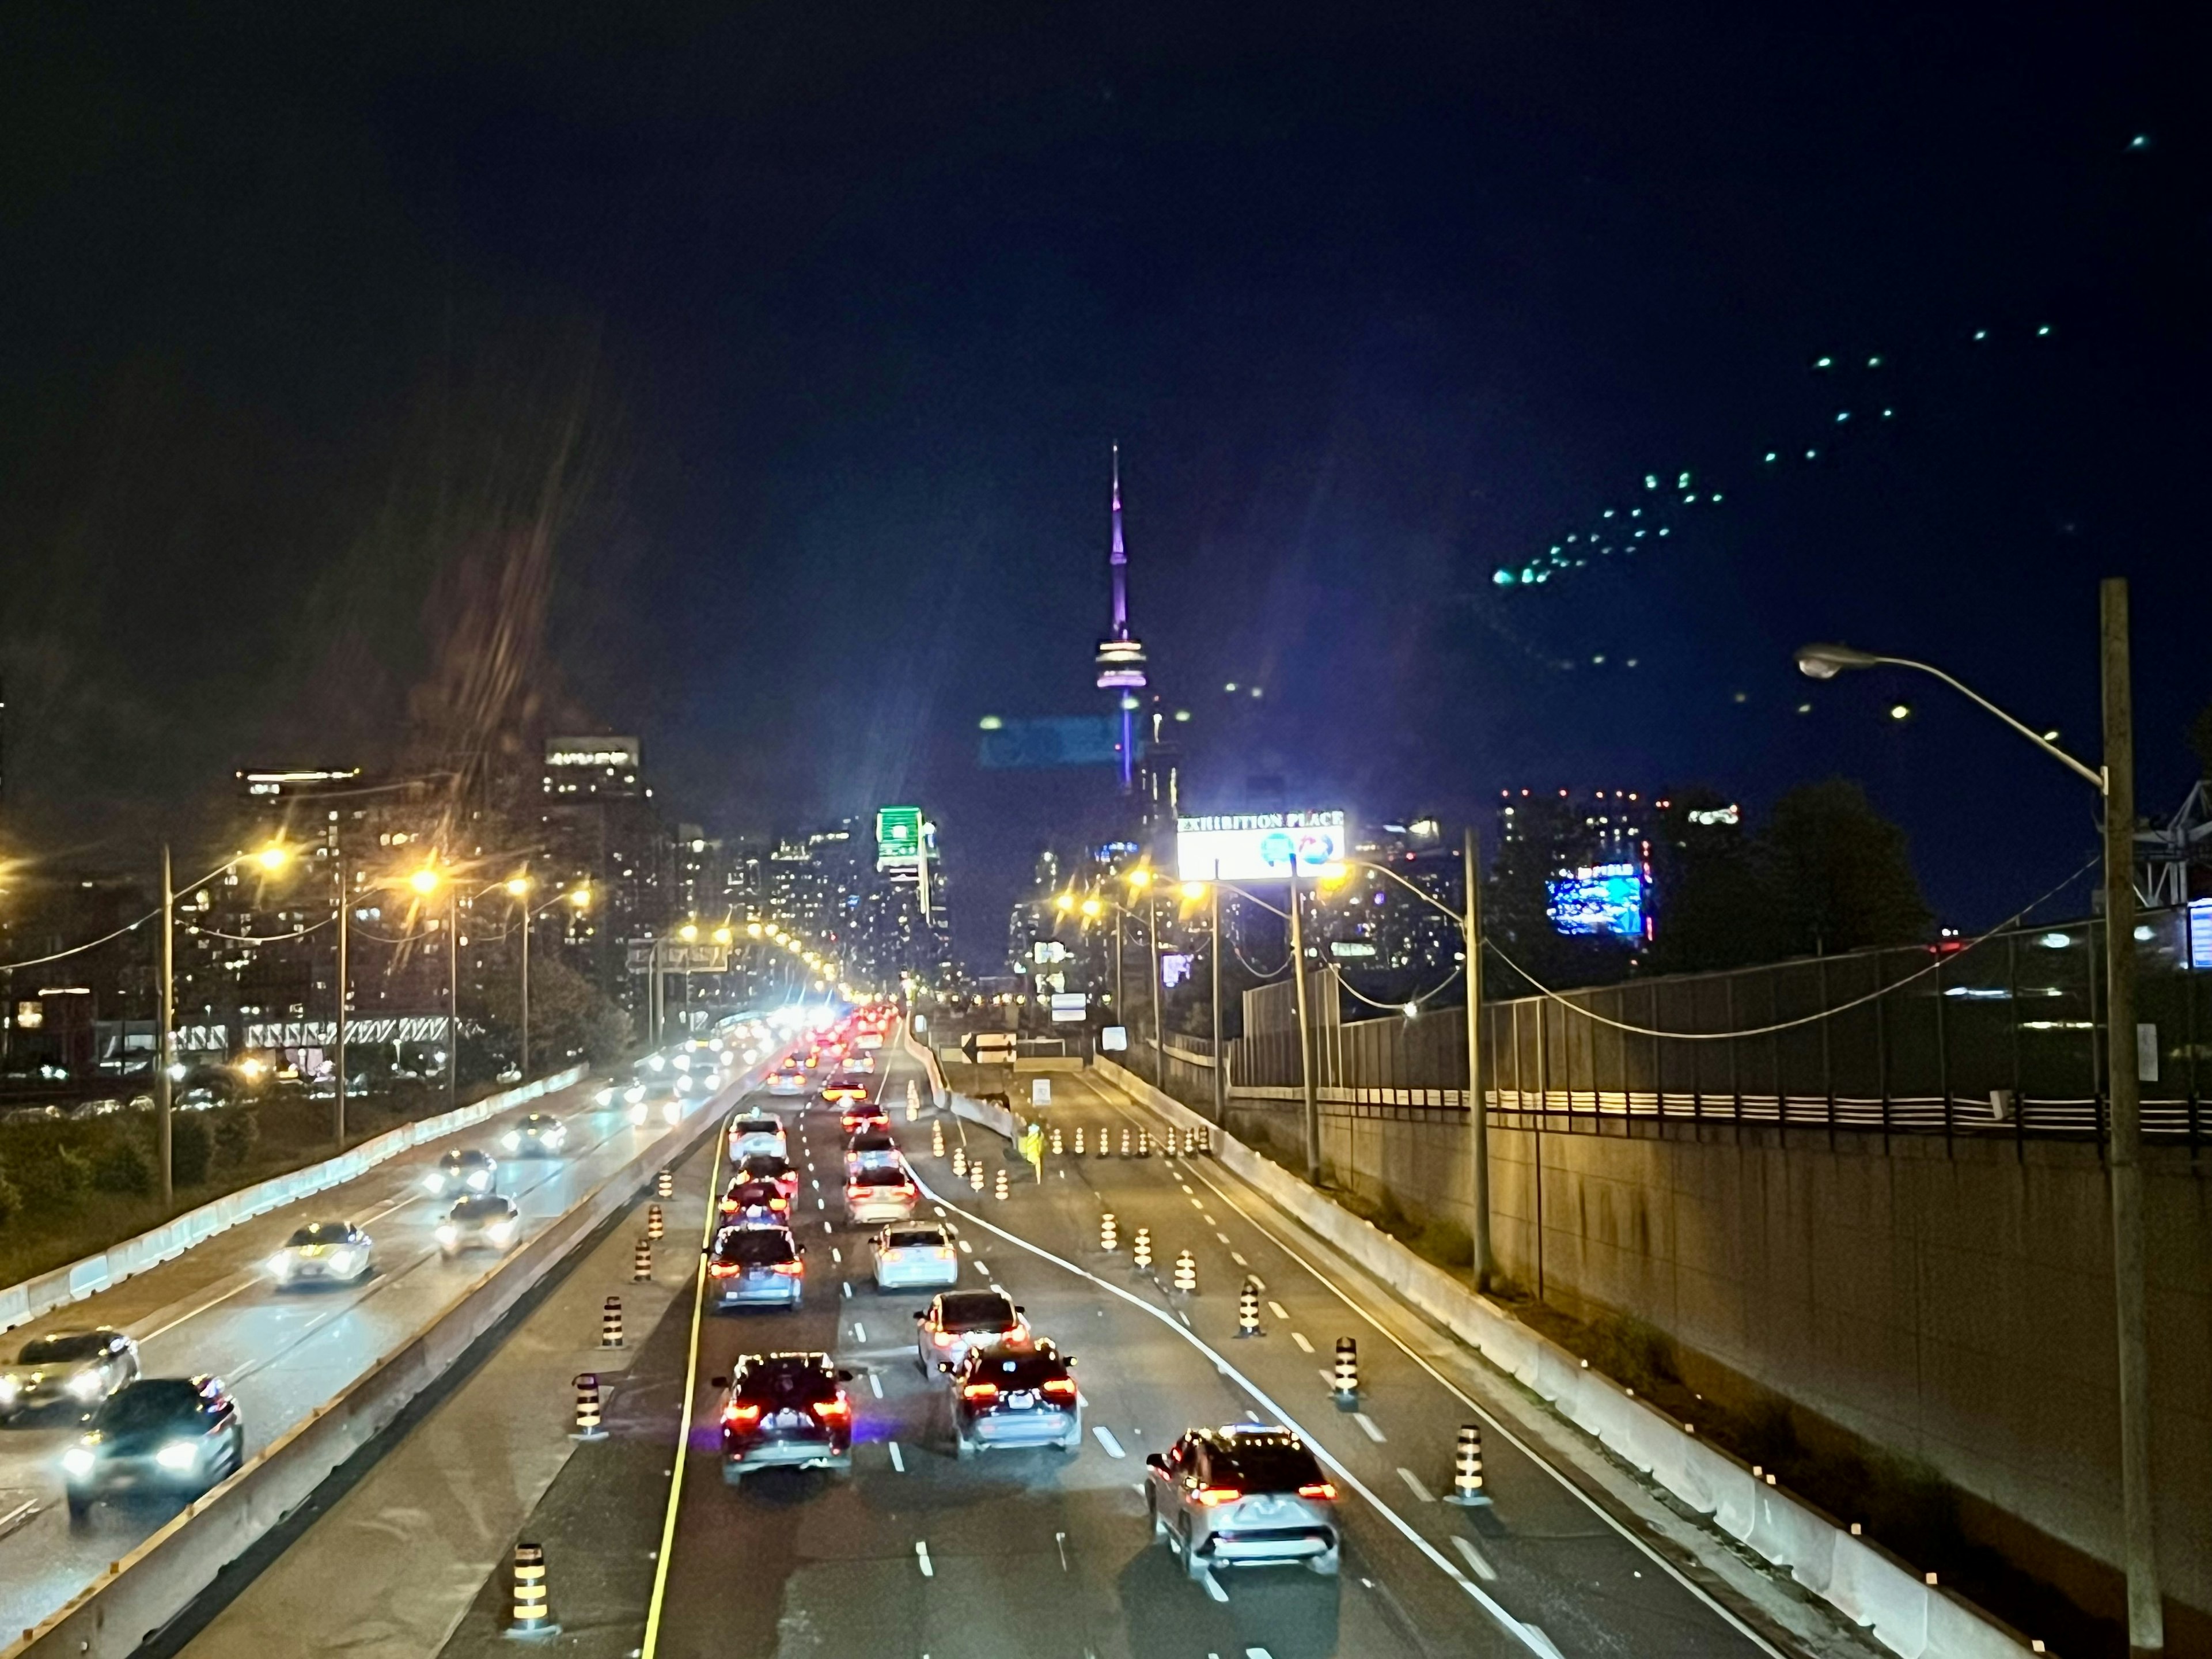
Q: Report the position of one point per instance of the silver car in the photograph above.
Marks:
(757, 1132)
(759, 1266)
(482, 1221)
(876, 1195)
(75, 1369)
(323, 1253)
(912, 1255)
(468, 1170)
(1243, 1496)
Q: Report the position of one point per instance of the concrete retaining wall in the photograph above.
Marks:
(95, 1274)
(148, 1588)
(1907, 1615)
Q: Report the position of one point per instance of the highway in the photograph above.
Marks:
(1038, 1552)
(284, 1353)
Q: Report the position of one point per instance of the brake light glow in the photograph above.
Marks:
(942, 1339)
(1212, 1496)
(722, 1269)
(980, 1391)
(741, 1413)
(838, 1410)
(788, 1269)
(1060, 1388)
(1318, 1489)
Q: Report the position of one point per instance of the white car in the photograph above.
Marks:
(787, 1080)
(915, 1254)
(323, 1253)
(757, 1132)
(466, 1171)
(484, 1221)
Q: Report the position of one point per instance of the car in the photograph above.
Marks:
(659, 1095)
(785, 1410)
(956, 1320)
(748, 1203)
(1243, 1495)
(873, 1148)
(540, 1134)
(787, 1080)
(910, 1254)
(756, 1266)
(873, 1195)
(757, 1132)
(76, 1369)
(868, 1039)
(465, 1171)
(1014, 1396)
(843, 1088)
(771, 1166)
(480, 1221)
(323, 1253)
(861, 1062)
(162, 1434)
(859, 1114)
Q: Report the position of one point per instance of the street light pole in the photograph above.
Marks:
(1312, 1096)
(1160, 1035)
(452, 994)
(339, 1045)
(524, 903)
(164, 1085)
(1220, 1058)
(1478, 1108)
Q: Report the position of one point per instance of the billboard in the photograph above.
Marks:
(898, 837)
(1599, 898)
(1257, 846)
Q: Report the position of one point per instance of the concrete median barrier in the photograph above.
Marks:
(150, 1586)
(1909, 1616)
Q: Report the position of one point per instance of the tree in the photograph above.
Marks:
(1544, 836)
(1840, 874)
(1713, 907)
(568, 1015)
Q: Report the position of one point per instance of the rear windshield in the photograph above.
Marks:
(765, 1166)
(753, 1192)
(875, 1143)
(148, 1405)
(1012, 1371)
(74, 1344)
(754, 1245)
(760, 1126)
(486, 1207)
(1264, 1465)
(879, 1178)
(976, 1310)
(466, 1160)
(322, 1232)
(796, 1382)
(929, 1239)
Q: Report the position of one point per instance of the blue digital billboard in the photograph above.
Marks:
(1599, 899)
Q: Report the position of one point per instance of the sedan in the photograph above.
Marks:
(785, 1410)
(169, 1434)
(861, 1115)
(1014, 1396)
(910, 1257)
(757, 1266)
(75, 1369)
(757, 1132)
(787, 1080)
(771, 1166)
(873, 1148)
(323, 1253)
(540, 1134)
(469, 1171)
(482, 1221)
(844, 1089)
(957, 1320)
(748, 1203)
(873, 1195)
(1244, 1495)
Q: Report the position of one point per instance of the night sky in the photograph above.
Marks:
(794, 338)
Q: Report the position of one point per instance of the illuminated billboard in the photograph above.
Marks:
(898, 837)
(1599, 898)
(1257, 846)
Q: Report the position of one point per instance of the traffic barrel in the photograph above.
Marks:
(1248, 1309)
(1140, 1250)
(664, 1184)
(975, 1176)
(587, 1408)
(999, 1186)
(1168, 1143)
(1078, 1141)
(533, 1614)
(1143, 1143)
(937, 1140)
(1346, 1382)
(1125, 1143)
(913, 1101)
(1205, 1139)
(656, 1226)
(610, 1335)
(959, 1162)
(1467, 1467)
(1057, 1149)
(641, 1260)
(1186, 1272)
(1108, 1238)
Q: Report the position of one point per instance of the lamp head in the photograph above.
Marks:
(1193, 891)
(518, 885)
(1825, 662)
(272, 857)
(424, 880)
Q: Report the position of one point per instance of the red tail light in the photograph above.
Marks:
(1318, 1489)
(788, 1269)
(980, 1391)
(741, 1414)
(1211, 1496)
(838, 1410)
(1060, 1388)
(723, 1269)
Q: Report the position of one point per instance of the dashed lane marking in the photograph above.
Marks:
(921, 1559)
(1212, 1584)
(898, 1462)
(1104, 1437)
(1475, 1559)
(1237, 1256)
(875, 1385)
(1414, 1485)
(1368, 1426)
(1279, 1310)
(1298, 1337)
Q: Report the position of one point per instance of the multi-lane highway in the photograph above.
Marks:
(215, 1310)
(1042, 1553)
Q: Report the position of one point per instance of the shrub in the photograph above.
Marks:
(191, 1146)
(11, 1201)
(124, 1167)
(237, 1132)
(54, 1179)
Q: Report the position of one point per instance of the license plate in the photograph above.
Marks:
(1021, 1399)
(790, 1419)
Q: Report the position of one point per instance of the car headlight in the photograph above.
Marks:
(280, 1264)
(635, 1093)
(344, 1260)
(178, 1454)
(479, 1180)
(605, 1097)
(78, 1459)
(501, 1232)
(88, 1385)
(447, 1233)
(682, 1062)
(658, 1063)
(637, 1113)
(673, 1111)
(511, 1139)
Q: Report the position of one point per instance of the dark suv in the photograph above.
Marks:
(785, 1410)
(1023, 1396)
(166, 1434)
(756, 1266)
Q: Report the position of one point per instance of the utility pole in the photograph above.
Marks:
(345, 908)
(165, 1088)
(2146, 1614)
(1478, 1109)
(1221, 1057)
(1305, 1035)
(1159, 1036)
(524, 903)
(452, 995)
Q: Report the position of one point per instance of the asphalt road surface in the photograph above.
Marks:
(1023, 1553)
(284, 1353)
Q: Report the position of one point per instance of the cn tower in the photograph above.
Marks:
(1121, 658)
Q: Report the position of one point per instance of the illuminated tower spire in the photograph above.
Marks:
(1121, 658)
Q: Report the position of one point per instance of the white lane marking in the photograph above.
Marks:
(1206, 1218)
(1503, 1431)
(1298, 1337)
(836, 1254)
(875, 1385)
(1104, 1436)
(1185, 1185)
(821, 1203)
(860, 1334)
(1212, 1584)
(1223, 1238)
(1200, 1207)
(1544, 1643)
(827, 1228)
(1279, 1310)
(1483, 1570)
(817, 1183)
(1258, 1653)
(1237, 1257)
(1367, 1424)
(897, 1461)
(1336, 1465)
(1413, 1484)
(966, 1248)
(921, 1559)
(847, 1287)
(1060, 1540)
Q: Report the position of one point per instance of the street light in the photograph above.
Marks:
(2115, 781)
(518, 888)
